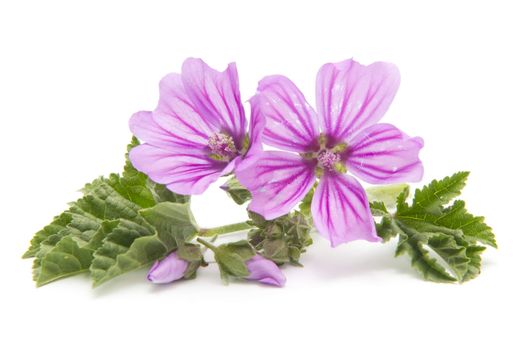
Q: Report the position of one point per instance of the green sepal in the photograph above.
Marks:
(236, 191)
(191, 270)
(256, 219)
(231, 265)
(193, 255)
(231, 259)
(306, 204)
(189, 252)
(278, 251)
(242, 248)
(281, 240)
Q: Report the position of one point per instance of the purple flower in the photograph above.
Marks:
(197, 133)
(342, 136)
(265, 271)
(167, 270)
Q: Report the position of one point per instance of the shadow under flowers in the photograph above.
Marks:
(354, 259)
(321, 261)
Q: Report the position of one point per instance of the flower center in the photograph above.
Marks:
(222, 147)
(327, 159)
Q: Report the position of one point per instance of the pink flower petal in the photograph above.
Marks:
(340, 210)
(351, 96)
(265, 271)
(216, 96)
(291, 124)
(167, 270)
(144, 127)
(257, 123)
(383, 154)
(184, 173)
(176, 114)
(277, 181)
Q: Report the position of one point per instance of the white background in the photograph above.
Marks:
(71, 74)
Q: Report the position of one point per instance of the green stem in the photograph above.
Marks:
(207, 244)
(398, 227)
(222, 230)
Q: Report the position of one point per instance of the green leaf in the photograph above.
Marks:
(474, 267)
(130, 246)
(65, 259)
(438, 193)
(378, 208)
(84, 217)
(103, 202)
(236, 191)
(385, 229)
(105, 224)
(455, 217)
(386, 194)
(58, 224)
(473, 227)
(401, 204)
(454, 255)
(175, 219)
(162, 194)
(441, 241)
(59, 260)
(414, 243)
(132, 185)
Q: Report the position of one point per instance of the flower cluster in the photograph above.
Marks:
(198, 132)
(299, 167)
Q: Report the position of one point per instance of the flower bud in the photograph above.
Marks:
(167, 270)
(265, 271)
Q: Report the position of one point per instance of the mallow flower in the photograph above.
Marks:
(264, 271)
(168, 270)
(342, 136)
(197, 133)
